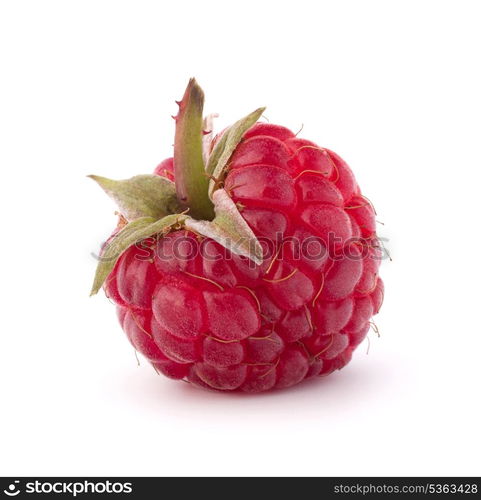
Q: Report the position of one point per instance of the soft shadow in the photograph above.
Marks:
(345, 389)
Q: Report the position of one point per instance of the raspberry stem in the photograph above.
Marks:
(191, 182)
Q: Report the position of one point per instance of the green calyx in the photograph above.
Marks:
(141, 196)
(153, 205)
(223, 150)
(129, 235)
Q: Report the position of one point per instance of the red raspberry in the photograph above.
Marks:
(201, 312)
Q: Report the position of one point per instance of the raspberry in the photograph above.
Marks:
(219, 317)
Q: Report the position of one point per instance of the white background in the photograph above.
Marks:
(89, 87)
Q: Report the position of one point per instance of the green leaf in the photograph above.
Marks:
(228, 228)
(228, 142)
(131, 234)
(141, 196)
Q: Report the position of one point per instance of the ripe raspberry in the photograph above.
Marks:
(201, 309)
